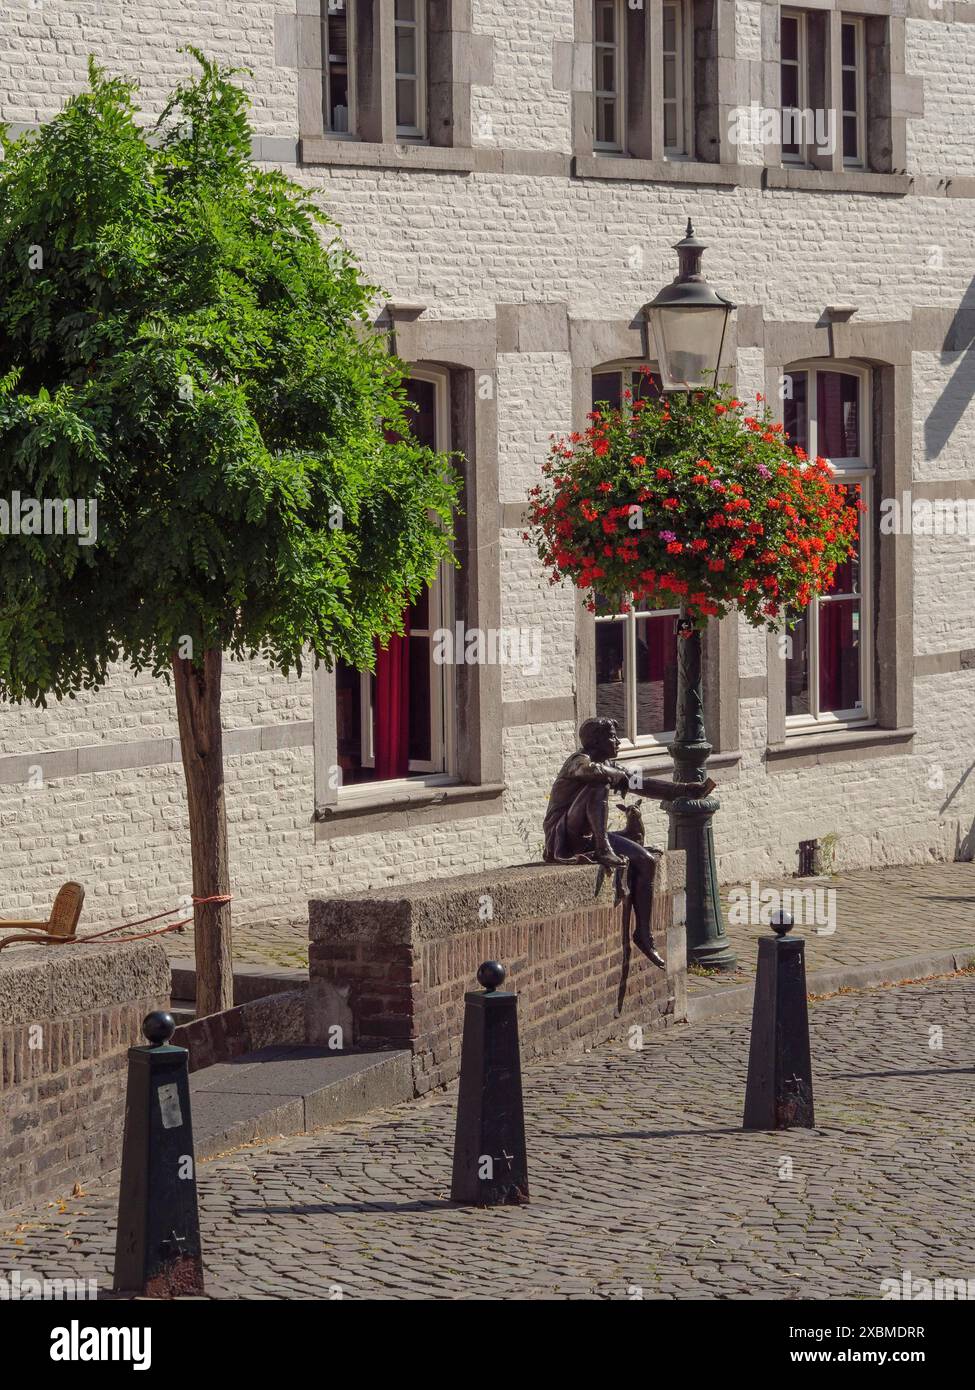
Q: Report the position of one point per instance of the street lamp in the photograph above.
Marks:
(689, 320)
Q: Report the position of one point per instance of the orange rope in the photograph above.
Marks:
(159, 931)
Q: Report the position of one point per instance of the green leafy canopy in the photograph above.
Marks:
(185, 341)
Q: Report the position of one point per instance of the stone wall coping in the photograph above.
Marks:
(39, 983)
(441, 908)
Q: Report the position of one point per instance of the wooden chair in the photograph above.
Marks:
(60, 926)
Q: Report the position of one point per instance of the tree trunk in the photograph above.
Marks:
(198, 709)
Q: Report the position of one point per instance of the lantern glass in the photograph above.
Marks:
(689, 339)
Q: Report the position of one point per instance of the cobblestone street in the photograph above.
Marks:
(641, 1180)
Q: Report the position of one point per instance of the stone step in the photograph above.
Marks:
(183, 1010)
(291, 1090)
(250, 981)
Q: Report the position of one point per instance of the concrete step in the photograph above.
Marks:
(183, 1010)
(250, 981)
(291, 1090)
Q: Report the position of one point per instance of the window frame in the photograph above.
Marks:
(684, 67)
(859, 69)
(860, 470)
(801, 62)
(443, 679)
(617, 146)
(351, 133)
(416, 134)
(631, 742)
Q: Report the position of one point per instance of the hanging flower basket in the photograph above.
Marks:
(691, 500)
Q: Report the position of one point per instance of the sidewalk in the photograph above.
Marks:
(919, 919)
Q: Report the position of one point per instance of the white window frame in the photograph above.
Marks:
(801, 62)
(438, 771)
(329, 9)
(859, 69)
(684, 69)
(846, 470)
(419, 26)
(617, 146)
(630, 741)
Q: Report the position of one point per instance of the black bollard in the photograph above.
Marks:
(490, 1160)
(779, 1092)
(157, 1245)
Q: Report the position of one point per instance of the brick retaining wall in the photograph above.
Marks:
(392, 967)
(67, 1016)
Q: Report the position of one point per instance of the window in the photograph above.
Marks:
(854, 93)
(825, 113)
(637, 81)
(829, 665)
(794, 80)
(396, 722)
(676, 84)
(410, 45)
(636, 652)
(338, 44)
(608, 72)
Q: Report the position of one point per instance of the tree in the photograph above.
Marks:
(692, 499)
(185, 344)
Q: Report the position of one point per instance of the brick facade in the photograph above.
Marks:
(66, 1022)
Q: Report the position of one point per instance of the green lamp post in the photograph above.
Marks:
(689, 322)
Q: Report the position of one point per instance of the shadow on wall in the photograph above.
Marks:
(954, 399)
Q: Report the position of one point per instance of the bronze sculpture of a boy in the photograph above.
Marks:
(577, 820)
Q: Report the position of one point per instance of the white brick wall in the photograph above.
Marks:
(462, 244)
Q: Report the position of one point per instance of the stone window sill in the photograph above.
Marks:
(621, 167)
(658, 761)
(838, 743)
(365, 154)
(423, 804)
(838, 181)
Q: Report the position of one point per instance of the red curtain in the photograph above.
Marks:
(392, 709)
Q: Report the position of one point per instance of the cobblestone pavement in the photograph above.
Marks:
(641, 1179)
(880, 915)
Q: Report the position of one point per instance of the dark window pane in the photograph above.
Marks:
(348, 712)
(670, 125)
(851, 146)
(849, 91)
(790, 37)
(839, 655)
(849, 44)
(797, 668)
(646, 386)
(606, 389)
(610, 672)
(420, 612)
(420, 737)
(605, 21)
(795, 409)
(605, 70)
(606, 121)
(422, 411)
(838, 424)
(406, 113)
(790, 86)
(656, 675)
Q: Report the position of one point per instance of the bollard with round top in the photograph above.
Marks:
(779, 1089)
(157, 1244)
(490, 1159)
